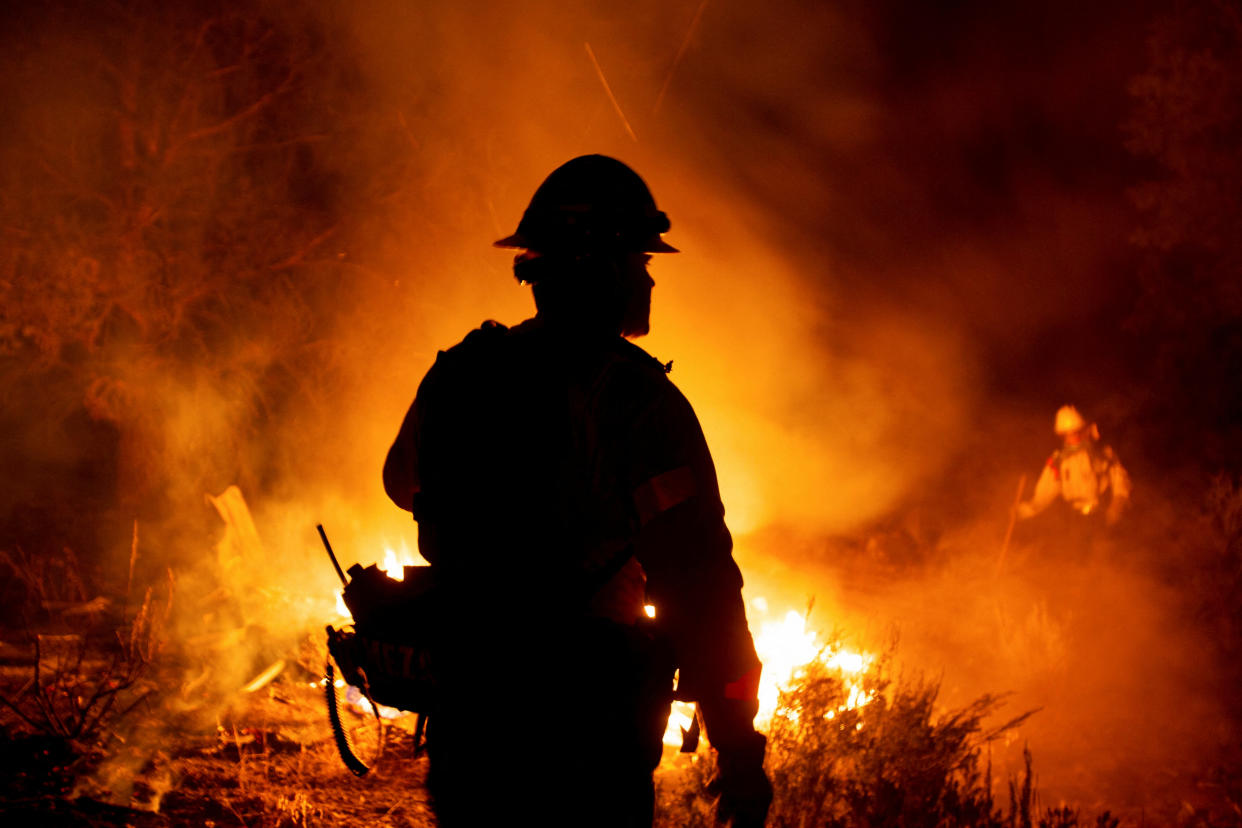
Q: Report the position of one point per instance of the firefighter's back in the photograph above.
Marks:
(522, 515)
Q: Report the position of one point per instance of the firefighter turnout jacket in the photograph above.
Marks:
(1088, 477)
(550, 472)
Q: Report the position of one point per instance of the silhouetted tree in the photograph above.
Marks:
(175, 222)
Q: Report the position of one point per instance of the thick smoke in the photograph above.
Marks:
(891, 219)
(887, 223)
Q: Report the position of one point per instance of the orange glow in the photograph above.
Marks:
(681, 717)
(785, 647)
(394, 564)
(783, 642)
(393, 567)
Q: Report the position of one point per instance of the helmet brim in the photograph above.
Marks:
(515, 241)
(658, 245)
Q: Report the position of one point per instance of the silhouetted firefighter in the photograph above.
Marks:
(559, 479)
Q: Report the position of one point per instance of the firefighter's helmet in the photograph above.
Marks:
(1068, 420)
(591, 204)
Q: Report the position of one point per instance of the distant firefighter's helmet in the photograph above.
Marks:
(589, 205)
(1068, 420)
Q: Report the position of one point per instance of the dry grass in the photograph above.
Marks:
(898, 760)
(268, 760)
(78, 687)
(269, 763)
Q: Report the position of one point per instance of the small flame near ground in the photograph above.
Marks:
(786, 647)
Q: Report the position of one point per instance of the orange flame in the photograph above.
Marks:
(786, 647)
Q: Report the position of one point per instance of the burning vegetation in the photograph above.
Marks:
(233, 236)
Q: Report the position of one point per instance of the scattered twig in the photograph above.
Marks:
(681, 50)
(133, 560)
(68, 699)
(608, 89)
(298, 256)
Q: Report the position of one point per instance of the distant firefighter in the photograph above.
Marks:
(1085, 474)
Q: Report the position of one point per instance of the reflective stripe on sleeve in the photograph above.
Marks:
(746, 688)
(663, 492)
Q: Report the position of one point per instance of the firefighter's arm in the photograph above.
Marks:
(699, 605)
(743, 786)
(697, 592)
(1047, 487)
(686, 550)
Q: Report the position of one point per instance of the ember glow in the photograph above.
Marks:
(394, 566)
(395, 561)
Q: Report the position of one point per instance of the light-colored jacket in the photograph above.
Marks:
(1084, 477)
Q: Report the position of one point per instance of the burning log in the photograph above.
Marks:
(265, 678)
(240, 543)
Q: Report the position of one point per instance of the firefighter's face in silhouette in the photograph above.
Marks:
(610, 293)
(636, 284)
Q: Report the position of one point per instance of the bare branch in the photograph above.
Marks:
(300, 255)
(608, 89)
(258, 105)
(19, 712)
(248, 50)
(681, 51)
(265, 145)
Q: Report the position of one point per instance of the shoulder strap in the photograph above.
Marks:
(489, 332)
(632, 351)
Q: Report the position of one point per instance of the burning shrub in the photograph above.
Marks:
(851, 749)
(884, 755)
(891, 761)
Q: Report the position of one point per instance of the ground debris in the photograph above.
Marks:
(234, 743)
(271, 763)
